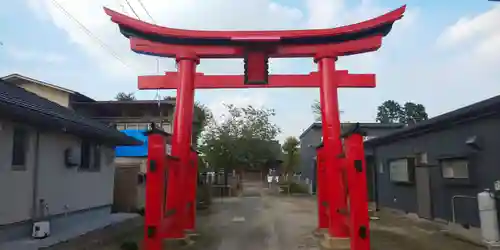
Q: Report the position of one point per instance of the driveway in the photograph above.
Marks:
(261, 219)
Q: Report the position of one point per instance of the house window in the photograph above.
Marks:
(455, 168)
(143, 126)
(19, 148)
(421, 159)
(90, 156)
(167, 127)
(399, 170)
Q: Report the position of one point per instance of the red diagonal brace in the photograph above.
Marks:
(202, 81)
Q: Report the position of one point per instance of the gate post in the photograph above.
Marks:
(192, 185)
(321, 189)
(358, 190)
(332, 144)
(181, 145)
(155, 185)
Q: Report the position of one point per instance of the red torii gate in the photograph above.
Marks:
(169, 214)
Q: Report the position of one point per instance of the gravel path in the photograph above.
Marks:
(260, 219)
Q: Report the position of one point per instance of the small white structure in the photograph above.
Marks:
(488, 217)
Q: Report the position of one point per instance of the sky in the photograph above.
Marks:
(443, 54)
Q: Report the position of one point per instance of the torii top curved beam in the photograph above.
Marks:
(379, 26)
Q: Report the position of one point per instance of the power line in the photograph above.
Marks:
(157, 96)
(146, 10)
(132, 9)
(89, 33)
(122, 6)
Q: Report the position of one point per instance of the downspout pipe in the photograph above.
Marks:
(36, 165)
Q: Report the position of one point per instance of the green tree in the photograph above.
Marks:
(122, 96)
(389, 112)
(413, 113)
(291, 149)
(245, 138)
(316, 109)
(202, 117)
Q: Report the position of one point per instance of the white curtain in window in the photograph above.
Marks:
(399, 170)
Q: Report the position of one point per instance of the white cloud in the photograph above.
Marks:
(188, 14)
(213, 15)
(23, 54)
(480, 36)
(468, 28)
(472, 52)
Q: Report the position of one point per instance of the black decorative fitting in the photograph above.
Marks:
(174, 158)
(152, 166)
(342, 211)
(358, 165)
(362, 232)
(341, 155)
(245, 75)
(151, 231)
(170, 212)
(353, 129)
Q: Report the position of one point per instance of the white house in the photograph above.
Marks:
(55, 164)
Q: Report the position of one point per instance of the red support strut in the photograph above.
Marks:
(321, 188)
(155, 184)
(192, 184)
(358, 191)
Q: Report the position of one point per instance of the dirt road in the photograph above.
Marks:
(260, 219)
(257, 220)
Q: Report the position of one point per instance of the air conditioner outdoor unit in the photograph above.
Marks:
(70, 158)
(41, 230)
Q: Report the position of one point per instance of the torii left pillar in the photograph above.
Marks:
(332, 144)
(181, 147)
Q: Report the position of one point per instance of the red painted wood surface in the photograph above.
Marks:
(253, 36)
(192, 184)
(155, 179)
(332, 144)
(352, 47)
(321, 189)
(181, 148)
(171, 80)
(359, 220)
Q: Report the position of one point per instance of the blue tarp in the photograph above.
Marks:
(134, 151)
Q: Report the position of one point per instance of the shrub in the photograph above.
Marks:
(295, 188)
(129, 245)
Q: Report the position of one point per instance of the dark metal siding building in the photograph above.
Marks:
(311, 138)
(436, 168)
